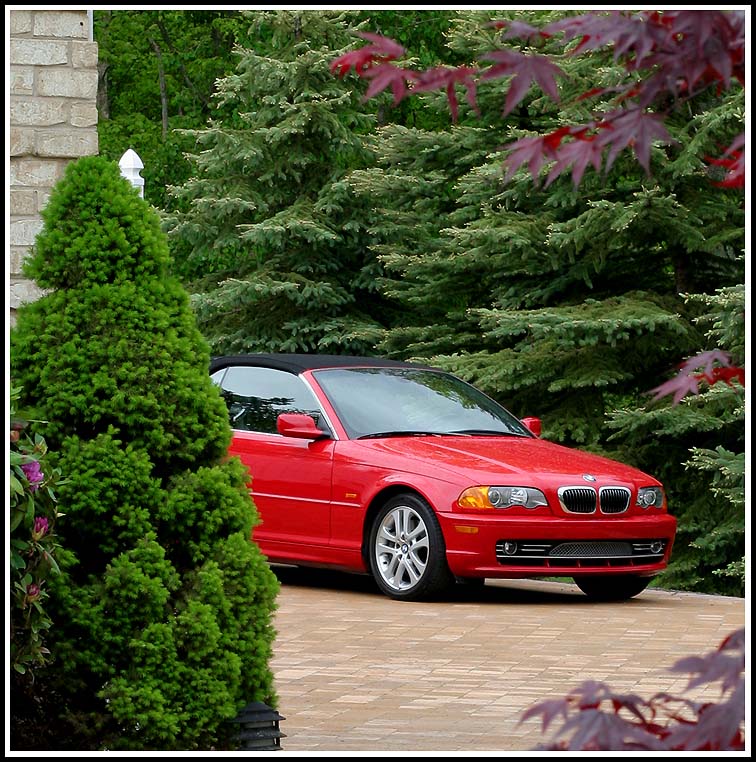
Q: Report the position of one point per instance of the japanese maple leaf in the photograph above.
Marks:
(697, 369)
(712, 37)
(385, 75)
(578, 155)
(530, 151)
(718, 725)
(733, 161)
(706, 361)
(630, 35)
(587, 727)
(525, 71)
(383, 49)
(632, 127)
(536, 151)
(442, 77)
(726, 664)
(679, 386)
(518, 29)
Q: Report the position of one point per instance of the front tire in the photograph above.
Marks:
(407, 552)
(619, 588)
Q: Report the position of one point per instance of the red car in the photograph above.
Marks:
(418, 478)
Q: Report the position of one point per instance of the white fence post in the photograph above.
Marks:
(131, 165)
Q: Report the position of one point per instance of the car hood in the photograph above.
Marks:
(488, 458)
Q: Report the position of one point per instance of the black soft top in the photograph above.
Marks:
(296, 363)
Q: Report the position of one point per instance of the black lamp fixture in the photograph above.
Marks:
(259, 728)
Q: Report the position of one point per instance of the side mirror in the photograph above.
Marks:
(533, 425)
(298, 425)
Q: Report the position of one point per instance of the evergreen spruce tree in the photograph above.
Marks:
(698, 449)
(564, 302)
(270, 236)
(162, 616)
(558, 301)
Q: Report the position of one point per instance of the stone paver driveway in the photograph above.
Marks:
(358, 672)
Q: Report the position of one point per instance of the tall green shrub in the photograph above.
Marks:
(163, 611)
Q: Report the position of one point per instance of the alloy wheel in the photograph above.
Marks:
(401, 548)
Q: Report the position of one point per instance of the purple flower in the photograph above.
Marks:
(33, 474)
(41, 526)
(32, 592)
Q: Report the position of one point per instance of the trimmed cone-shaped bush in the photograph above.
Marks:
(162, 616)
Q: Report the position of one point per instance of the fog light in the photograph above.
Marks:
(510, 548)
(657, 547)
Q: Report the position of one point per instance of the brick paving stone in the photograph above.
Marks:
(358, 672)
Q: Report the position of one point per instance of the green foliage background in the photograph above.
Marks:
(194, 48)
(566, 303)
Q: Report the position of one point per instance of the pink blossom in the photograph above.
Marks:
(32, 592)
(33, 474)
(41, 527)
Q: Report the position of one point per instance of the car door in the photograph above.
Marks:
(290, 478)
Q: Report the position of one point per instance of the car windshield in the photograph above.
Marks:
(375, 402)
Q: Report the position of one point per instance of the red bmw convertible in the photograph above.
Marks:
(416, 477)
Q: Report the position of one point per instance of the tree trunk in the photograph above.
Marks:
(103, 101)
(163, 87)
(683, 276)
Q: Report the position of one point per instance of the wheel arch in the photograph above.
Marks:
(378, 501)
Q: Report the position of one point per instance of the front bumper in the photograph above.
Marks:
(513, 546)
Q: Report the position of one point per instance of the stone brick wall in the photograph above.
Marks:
(52, 120)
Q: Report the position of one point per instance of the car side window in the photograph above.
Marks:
(255, 397)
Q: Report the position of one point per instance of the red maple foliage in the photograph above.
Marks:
(671, 56)
(697, 370)
(663, 722)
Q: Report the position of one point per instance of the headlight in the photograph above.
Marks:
(489, 498)
(650, 496)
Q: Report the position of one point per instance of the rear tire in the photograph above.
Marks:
(406, 550)
(619, 588)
